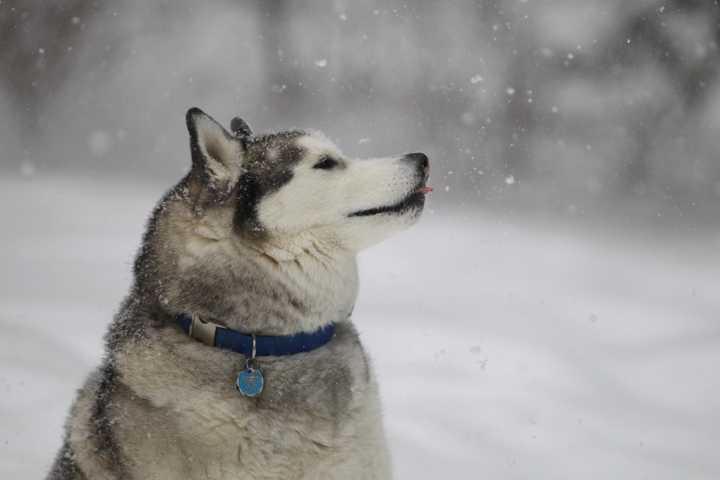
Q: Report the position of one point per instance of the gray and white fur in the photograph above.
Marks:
(260, 236)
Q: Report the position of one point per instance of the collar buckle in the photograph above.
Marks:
(202, 330)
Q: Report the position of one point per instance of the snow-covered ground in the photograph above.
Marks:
(506, 349)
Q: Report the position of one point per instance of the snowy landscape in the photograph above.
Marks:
(506, 347)
(555, 313)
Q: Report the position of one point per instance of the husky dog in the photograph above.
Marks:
(259, 237)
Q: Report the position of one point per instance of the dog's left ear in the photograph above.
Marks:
(215, 152)
(240, 128)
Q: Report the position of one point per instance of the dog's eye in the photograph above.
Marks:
(326, 163)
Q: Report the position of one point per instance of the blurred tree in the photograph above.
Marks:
(514, 120)
(692, 71)
(36, 40)
(287, 85)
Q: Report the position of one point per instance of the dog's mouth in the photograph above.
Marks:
(415, 200)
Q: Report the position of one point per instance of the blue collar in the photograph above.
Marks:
(265, 345)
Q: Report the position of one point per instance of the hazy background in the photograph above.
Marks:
(567, 263)
(566, 105)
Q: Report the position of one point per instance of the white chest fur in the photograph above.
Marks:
(318, 417)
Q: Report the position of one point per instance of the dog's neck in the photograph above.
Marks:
(313, 270)
(309, 247)
(270, 287)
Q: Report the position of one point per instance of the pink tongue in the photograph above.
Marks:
(425, 189)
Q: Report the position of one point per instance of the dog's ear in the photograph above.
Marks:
(240, 128)
(216, 154)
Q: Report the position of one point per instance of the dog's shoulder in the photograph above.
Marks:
(90, 447)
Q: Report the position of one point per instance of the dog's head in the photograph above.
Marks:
(292, 183)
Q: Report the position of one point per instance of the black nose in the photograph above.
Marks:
(420, 158)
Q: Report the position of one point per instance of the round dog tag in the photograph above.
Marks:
(250, 382)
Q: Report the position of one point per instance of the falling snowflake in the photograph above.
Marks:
(476, 79)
